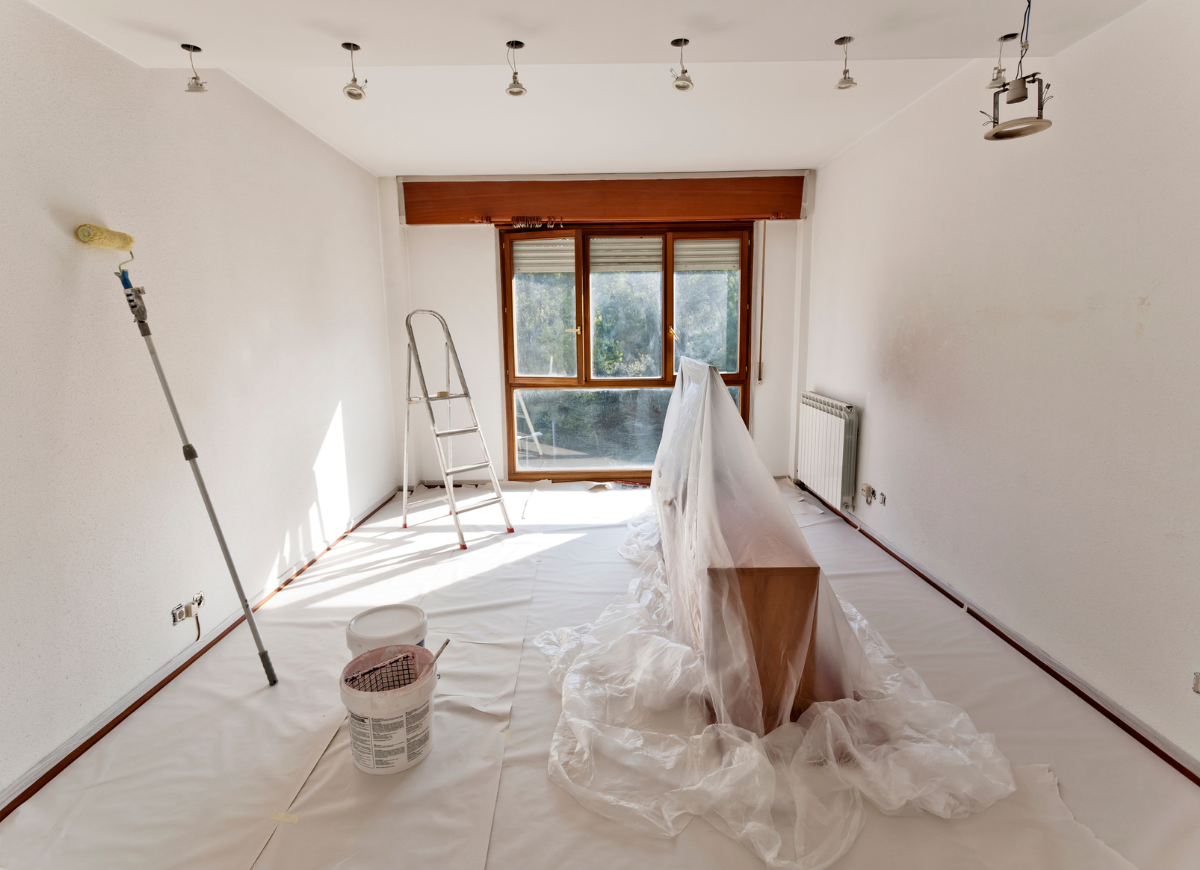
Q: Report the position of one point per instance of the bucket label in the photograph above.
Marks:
(384, 744)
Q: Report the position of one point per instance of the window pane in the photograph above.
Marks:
(597, 430)
(708, 283)
(736, 394)
(627, 306)
(544, 307)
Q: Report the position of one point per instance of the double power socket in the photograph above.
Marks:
(180, 612)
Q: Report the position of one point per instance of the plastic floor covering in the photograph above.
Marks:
(193, 778)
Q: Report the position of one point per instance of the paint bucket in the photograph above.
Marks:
(389, 693)
(389, 625)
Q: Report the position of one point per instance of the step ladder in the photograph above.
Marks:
(443, 447)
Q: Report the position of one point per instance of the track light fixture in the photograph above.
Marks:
(194, 85)
(1016, 91)
(353, 89)
(998, 73)
(515, 88)
(682, 81)
(845, 82)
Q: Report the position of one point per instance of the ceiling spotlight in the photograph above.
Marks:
(515, 88)
(998, 73)
(353, 89)
(1017, 91)
(845, 82)
(681, 80)
(194, 85)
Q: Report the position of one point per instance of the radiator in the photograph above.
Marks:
(827, 447)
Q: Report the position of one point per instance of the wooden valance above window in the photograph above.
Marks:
(537, 204)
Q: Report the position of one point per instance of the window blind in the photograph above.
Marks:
(626, 254)
(708, 255)
(544, 255)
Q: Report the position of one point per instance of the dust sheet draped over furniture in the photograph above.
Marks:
(677, 701)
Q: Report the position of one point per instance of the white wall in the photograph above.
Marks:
(1018, 321)
(394, 240)
(454, 270)
(260, 250)
(771, 399)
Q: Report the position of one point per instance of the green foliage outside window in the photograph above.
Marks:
(706, 317)
(544, 322)
(627, 324)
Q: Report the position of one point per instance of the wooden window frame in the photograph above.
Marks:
(583, 379)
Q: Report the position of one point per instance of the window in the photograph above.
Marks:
(596, 320)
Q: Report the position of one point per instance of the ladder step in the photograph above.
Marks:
(487, 501)
(450, 472)
(447, 398)
(445, 433)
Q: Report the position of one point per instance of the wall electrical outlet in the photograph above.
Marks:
(180, 612)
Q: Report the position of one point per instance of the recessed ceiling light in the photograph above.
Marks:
(1016, 91)
(681, 80)
(845, 82)
(194, 85)
(353, 89)
(514, 88)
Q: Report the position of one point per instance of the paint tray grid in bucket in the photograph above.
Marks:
(395, 673)
(389, 693)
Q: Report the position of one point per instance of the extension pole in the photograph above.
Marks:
(133, 296)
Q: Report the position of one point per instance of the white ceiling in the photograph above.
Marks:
(599, 94)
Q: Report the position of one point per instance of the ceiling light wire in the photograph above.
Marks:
(682, 81)
(845, 82)
(194, 86)
(353, 89)
(1024, 38)
(514, 88)
(997, 80)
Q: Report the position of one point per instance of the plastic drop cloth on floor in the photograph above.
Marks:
(662, 715)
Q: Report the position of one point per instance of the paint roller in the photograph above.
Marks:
(101, 237)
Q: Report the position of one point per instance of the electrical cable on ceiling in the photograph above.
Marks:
(1024, 39)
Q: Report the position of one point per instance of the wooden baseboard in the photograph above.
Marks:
(1165, 749)
(61, 758)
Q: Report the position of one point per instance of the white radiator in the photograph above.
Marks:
(828, 445)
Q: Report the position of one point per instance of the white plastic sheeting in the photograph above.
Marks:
(126, 808)
(662, 711)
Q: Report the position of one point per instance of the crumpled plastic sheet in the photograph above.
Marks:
(662, 711)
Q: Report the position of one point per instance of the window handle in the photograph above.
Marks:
(578, 330)
(671, 332)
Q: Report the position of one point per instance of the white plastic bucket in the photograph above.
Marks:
(391, 730)
(389, 625)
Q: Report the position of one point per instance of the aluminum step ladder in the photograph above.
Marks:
(442, 446)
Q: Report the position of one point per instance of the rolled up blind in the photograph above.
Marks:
(544, 255)
(626, 254)
(708, 255)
